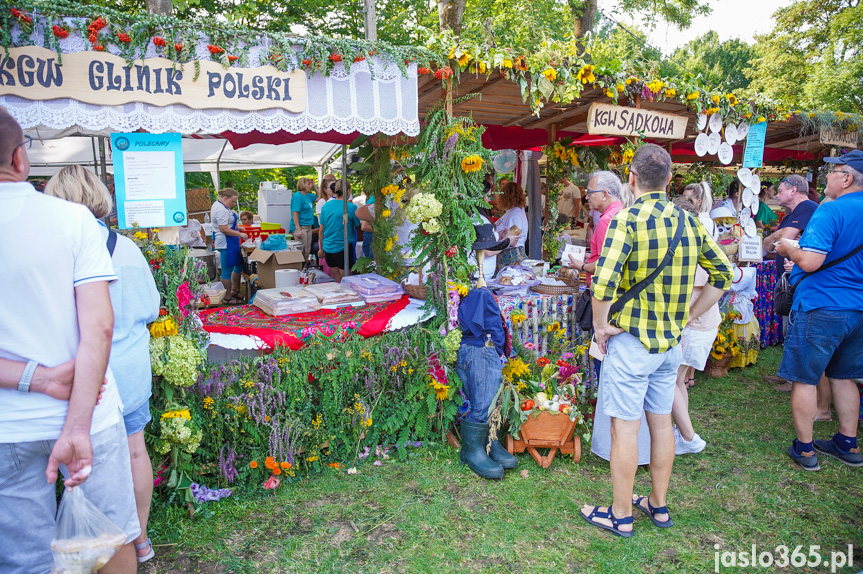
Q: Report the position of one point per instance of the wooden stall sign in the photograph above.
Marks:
(35, 73)
(607, 119)
(750, 250)
(833, 136)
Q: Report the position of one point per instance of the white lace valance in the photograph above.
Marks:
(343, 102)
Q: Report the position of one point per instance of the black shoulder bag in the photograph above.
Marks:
(783, 292)
(584, 307)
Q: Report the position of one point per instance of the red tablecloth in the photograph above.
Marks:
(294, 331)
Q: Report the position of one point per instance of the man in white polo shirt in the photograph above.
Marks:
(57, 309)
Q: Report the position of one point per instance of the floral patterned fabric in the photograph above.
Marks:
(770, 323)
(294, 331)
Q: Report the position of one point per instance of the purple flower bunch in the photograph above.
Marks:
(226, 463)
(204, 494)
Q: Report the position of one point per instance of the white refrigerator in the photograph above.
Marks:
(274, 204)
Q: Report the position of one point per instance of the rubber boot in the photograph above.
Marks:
(473, 439)
(501, 456)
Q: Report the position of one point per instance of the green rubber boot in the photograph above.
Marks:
(501, 456)
(473, 438)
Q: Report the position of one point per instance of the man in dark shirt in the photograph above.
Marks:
(792, 193)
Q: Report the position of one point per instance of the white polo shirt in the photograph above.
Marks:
(47, 248)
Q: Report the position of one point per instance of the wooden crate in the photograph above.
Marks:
(551, 431)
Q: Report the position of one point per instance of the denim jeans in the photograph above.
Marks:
(29, 503)
(479, 369)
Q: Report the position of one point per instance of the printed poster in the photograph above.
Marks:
(148, 180)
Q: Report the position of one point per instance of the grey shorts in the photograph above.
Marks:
(29, 502)
(633, 379)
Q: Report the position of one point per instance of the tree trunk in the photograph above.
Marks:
(160, 7)
(583, 16)
(450, 13)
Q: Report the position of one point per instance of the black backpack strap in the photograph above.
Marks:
(641, 285)
(828, 266)
(112, 242)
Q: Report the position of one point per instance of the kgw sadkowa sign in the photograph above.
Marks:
(100, 78)
(607, 119)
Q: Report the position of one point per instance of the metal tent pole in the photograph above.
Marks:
(345, 208)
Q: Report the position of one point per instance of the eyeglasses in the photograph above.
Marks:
(834, 169)
(594, 190)
(28, 141)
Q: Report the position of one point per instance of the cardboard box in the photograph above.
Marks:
(271, 261)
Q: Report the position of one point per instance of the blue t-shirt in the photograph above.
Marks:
(332, 214)
(313, 199)
(798, 219)
(300, 204)
(835, 230)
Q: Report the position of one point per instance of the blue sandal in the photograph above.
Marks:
(615, 522)
(651, 512)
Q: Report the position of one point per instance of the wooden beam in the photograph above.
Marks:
(485, 86)
(519, 119)
(552, 134)
(554, 118)
(582, 117)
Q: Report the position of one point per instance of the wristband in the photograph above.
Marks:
(27, 376)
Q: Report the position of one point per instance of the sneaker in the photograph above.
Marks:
(828, 447)
(807, 460)
(682, 446)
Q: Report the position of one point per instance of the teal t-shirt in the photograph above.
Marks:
(313, 199)
(300, 204)
(331, 223)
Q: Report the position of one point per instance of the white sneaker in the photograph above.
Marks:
(681, 446)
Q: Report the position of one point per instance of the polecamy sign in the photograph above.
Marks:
(838, 137)
(608, 119)
(35, 73)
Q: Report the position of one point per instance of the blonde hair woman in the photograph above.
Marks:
(702, 196)
(302, 214)
(227, 242)
(135, 302)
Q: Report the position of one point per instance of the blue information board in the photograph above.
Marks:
(753, 156)
(148, 180)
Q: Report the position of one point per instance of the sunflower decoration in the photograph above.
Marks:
(550, 74)
(521, 63)
(585, 75)
(471, 164)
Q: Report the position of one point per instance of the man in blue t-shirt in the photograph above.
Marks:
(825, 333)
(793, 194)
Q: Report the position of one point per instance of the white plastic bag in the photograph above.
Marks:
(84, 538)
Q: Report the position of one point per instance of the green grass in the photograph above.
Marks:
(429, 514)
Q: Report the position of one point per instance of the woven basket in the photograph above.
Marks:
(416, 291)
(730, 248)
(554, 289)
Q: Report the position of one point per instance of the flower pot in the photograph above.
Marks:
(717, 368)
(547, 430)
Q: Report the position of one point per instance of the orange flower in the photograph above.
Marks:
(277, 471)
(286, 465)
(253, 464)
(270, 463)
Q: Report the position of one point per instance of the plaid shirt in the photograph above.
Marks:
(636, 242)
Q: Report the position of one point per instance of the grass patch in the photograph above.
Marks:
(429, 514)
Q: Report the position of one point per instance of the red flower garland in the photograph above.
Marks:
(423, 71)
(123, 37)
(158, 42)
(214, 49)
(60, 32)
(359, 58)
(336, 57)
(21, 16)
(233, 58)
(178, 47)
(443, 73)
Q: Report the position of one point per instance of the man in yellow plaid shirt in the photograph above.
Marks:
(640, 342)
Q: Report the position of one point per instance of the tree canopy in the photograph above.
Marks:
(812, 57)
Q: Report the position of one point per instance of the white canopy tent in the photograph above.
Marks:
(211, 155)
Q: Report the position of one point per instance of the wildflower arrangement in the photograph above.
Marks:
(726, 342)
(258, 422)
(556, 383)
